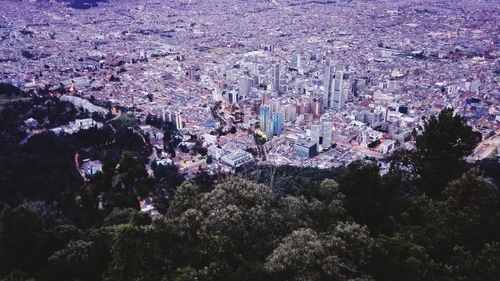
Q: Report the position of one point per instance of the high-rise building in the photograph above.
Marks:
(321, 134)
(217, 94)
(360, 85)
(232, 97)
(289, 113)
(274, 104)
(256, 80)
(340, 91)
(264, 116)
(316, 134)
(296, 61)
(327, 134)
(244, 85)
(269, 130)
(276, 78)
(165, 116)
(277, 123)
(175, 118)
(327, 82)
(178, 122)
(315, 107)
(336, 89)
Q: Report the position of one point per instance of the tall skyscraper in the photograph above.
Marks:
(340, 91)
(316, 134)
(178, 122)
(244, 85)
(276, 78)
(269, 130)
(265, 115)
(337, 90)
(327, 79)
(277, 123)
(165, 116)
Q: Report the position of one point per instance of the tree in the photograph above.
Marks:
(17, 276)
(131, 170)
(361, 184)
(169, 175)
(241, 210)
(439, 228)
(186, 274)
(329, 206)
(487, 264)
(441, 149)
(75, 261)
(126, 261)
(308, 255)
(357, 240)
(227, 232)
(329, 193)
(401, 163)
(21, 240)
(61, 235)
(9, 89)
(483, 266)
(127, 182)
(300, 212)
(186, 198)
(473, 191)
(396, 258)
(119, 216)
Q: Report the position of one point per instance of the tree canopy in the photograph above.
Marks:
(441, 148)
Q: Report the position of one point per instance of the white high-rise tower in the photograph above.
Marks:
(276, 78)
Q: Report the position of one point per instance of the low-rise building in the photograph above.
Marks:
(305, 149)
(237, 158)
(91, 167)
(387, 146)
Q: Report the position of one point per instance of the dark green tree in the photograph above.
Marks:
(74, 262)
(21, 241)
(119, 216)
(361, 184)
(473, 191)
(396, 258)
(441, 148)
(487, 264)
(126, 259)
(308, 255)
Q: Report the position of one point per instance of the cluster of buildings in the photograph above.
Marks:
(321, 83)
(77, 125)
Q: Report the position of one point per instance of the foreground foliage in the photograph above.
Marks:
(239, 231)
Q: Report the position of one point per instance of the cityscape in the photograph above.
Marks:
(343, 88)
(143, 98)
